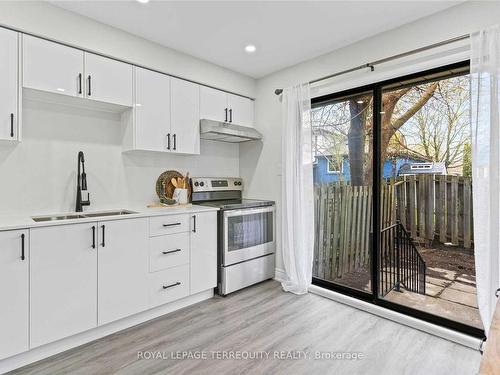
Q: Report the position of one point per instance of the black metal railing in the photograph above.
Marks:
(401, 265)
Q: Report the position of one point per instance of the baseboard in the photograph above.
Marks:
(445, 333)
(71, 342)
(279, 274)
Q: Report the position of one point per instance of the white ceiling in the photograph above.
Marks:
(285, 32)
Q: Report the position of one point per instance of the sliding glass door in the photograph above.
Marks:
(343, 149)
(393, 196)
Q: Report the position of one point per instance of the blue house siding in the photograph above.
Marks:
(321, 174)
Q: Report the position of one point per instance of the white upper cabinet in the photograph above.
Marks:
(167, 114)
(152, 111)
(52, 67)
(108, 80)
(122, 268)
(185, 117)
(63, 279)
(9, 78)
(213, 104)
(221, 106)
(241, 110)
(14, 292)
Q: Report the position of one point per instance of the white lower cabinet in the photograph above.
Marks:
(63, 281)
(122, 268)
(168, 285)
(14, 292)
(203, 252)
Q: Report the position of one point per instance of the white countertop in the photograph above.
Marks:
(12, 222)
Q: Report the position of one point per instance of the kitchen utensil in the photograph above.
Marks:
(174, 182)
(166, 179)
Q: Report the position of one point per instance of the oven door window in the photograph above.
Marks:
(251, 230)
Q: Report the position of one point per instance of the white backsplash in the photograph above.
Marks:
(38, 175)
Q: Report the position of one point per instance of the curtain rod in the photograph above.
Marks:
(371, 65)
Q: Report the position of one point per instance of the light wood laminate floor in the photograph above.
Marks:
(264, 318)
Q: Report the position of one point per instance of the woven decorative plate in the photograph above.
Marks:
(164, 184)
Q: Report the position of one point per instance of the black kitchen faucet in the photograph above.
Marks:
(81, 184)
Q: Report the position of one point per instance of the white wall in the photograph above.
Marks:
(39, 174)
(260, 165)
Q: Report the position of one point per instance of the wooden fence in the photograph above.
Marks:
(430, 208)
(435, 207)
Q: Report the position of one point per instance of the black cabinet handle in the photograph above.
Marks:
(171, 225)
(22, 247)
(168, 141)
(231, 115)
(79, 83)
(11, 125)
(226, 115)
(175, 141)
(89, 89)
(171, 285)
(93, 237)
(194, 223)
(171, 251)
(103, 236)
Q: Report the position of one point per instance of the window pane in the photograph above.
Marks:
(342, 145)
(426, 254)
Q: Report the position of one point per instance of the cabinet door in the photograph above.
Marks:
(122, 268)
(108, 80)
(185, 118)
(241, 110)
(152, 110)
(8, 77)
(52, 67)
(213, 104)
(63, 281)
(203, 254)
(14, 289)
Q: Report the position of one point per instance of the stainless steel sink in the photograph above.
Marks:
(109, 213)
(56, 218)
(81, 216)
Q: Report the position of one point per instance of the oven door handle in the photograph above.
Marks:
(249, 211)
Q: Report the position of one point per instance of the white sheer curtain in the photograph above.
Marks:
(297, 209)
(485, 104)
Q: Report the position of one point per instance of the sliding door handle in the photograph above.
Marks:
(12, 125)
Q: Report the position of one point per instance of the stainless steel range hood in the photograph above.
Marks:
(226, 132)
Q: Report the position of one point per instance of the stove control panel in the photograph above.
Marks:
(216, 183)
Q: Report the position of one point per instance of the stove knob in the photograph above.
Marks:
(202, 183)
(196, 183)
(235, 183)
(239, 183)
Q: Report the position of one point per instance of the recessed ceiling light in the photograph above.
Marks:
(360, 102)
(250, 48)
(143, 1)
